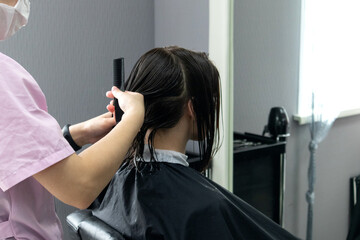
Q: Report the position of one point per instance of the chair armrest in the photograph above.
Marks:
(93, 228)
(84, 226)
(73, 221)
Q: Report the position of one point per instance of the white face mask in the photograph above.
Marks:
(13, 18)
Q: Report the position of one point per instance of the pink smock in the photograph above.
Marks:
(30, 141)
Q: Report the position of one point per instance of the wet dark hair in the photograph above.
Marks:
(168, 78)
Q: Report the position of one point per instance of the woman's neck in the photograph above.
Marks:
(174, 139)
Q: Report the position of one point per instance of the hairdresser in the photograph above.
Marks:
(36, 161)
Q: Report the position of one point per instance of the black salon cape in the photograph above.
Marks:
(171, 201)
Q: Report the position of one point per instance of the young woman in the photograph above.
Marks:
(155, 194)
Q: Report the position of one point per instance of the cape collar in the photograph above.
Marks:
(166, 156)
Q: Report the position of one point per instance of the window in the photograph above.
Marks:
(330, 56)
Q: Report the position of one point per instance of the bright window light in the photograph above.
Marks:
(330, 55)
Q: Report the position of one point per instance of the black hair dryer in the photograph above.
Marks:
(278, 124)
(118, 82)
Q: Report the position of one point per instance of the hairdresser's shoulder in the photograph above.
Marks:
(8, 63)
(4, 58)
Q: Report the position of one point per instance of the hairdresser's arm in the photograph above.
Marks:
(9, 2)
(92, 130)
(79, 179)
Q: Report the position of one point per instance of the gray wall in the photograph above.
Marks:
(184, 23)
(68, 47)
(266, 39)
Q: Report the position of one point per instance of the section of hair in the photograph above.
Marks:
(168, 78)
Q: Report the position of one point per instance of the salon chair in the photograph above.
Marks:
(84, 226)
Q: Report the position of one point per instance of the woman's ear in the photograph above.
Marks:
(190, 109)
(192, 117)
